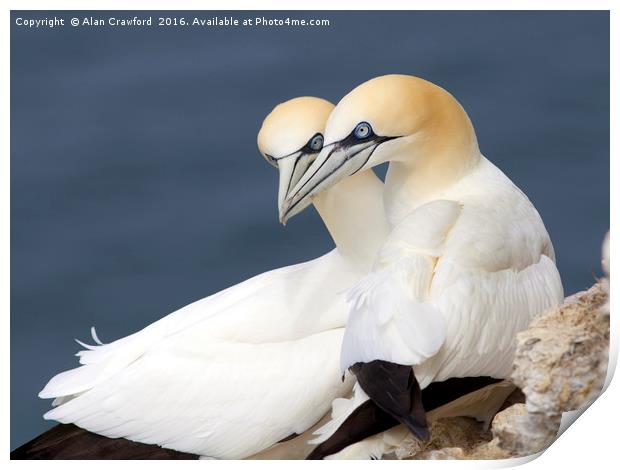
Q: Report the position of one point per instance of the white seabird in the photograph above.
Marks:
(232, 374)
(467, 265)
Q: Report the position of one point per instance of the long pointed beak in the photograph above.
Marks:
(291, 170)
(334, 163)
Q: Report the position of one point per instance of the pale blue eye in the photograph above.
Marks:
(316, 143)
(362, 130)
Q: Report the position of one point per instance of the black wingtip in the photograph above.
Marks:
(421, 432)
(316, 454)
(68, 442)
(368, 419)
(365, 421)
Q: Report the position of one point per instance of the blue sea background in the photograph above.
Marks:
(137, 188)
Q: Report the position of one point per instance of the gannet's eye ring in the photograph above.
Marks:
(316, 143)
(362, 131)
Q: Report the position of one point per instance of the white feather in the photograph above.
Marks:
(388, 321)
(341, 409)
(226, 376)
(479, 258)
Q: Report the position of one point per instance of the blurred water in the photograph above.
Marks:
(136, 183)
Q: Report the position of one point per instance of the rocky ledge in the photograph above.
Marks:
(560, 365)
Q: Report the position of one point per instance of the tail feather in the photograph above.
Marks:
(99, 362)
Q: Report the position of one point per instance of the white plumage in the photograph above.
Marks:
(448, 301)
(223, 377)
(468, 262)
(455, 281)
(232, 374)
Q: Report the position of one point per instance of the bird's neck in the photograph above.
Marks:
(443, 153)
(353, 213)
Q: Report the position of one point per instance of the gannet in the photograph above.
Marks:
(468, 262)
(234, 373)
(290, 139)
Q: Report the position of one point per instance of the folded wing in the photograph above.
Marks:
(224, 377)
(391, 319)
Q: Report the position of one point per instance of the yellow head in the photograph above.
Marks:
(291, 138)
(390, 118)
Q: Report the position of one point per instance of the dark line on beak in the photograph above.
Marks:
(288, 187)
(366, 161)
(349, 157)
(326, 176)
(379, 142)
(316, 171)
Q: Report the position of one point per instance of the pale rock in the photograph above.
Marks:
(560, 365)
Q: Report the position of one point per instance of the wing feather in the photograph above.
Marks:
(391, 319)
(230, 401)
(226, 376)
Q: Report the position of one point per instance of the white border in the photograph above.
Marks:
(591, 442)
